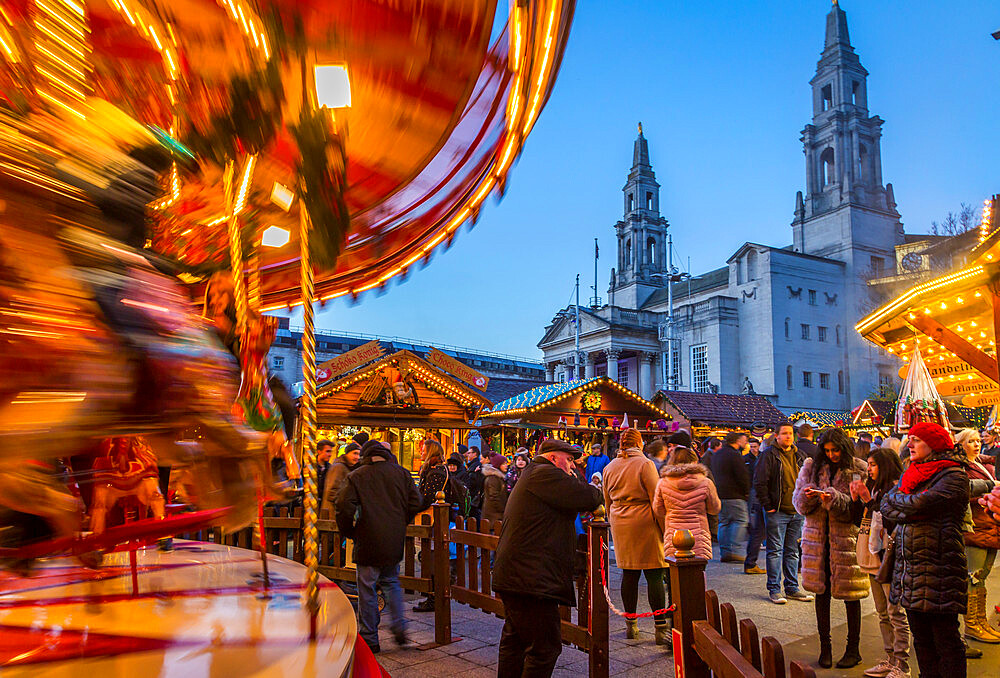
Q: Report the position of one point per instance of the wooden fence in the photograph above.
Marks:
(713, 641)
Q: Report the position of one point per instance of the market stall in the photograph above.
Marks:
(582, 411)
(954, 321)
(402, 399)
(715, 414)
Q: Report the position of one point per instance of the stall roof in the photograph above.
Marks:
(543, 395)
(724, 408)
(822, 418)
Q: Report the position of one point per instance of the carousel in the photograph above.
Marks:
(945, 332)
(171, 170)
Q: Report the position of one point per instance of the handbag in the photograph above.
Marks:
(867, 560)
(885, 570)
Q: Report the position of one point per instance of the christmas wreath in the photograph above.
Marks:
(591, 401)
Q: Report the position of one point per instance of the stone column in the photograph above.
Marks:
(550, 372)
(590, 367)
(613, 356)
(645, 375)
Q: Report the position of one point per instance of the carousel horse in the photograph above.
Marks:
(96, 342)
(126, 467)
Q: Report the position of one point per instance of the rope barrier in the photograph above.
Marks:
(607, 594)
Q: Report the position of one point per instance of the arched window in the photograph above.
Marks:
(751, 265)
(788, 377)
(827, 175)
(628, 252)
(838, 335)
(630, 204)
(863, 164)
(840, 381)
(651, 251)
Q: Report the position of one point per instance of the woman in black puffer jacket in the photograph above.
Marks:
(930, 577)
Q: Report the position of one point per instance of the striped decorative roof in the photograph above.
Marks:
(822, 418)
(539, 395)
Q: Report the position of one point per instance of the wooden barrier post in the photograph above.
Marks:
(687, 587)
(597, 603)
(442, 571)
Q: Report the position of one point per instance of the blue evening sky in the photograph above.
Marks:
(722, 91)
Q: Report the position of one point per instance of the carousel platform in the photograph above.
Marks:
(199, 610)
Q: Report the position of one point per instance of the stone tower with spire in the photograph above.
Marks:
(642, 234)
(847, 212)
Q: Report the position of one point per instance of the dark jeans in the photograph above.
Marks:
(655, 592)
(755, 532)
(783, 533)
(937, 643)
(531, 640)
(732, 526)
(369, 579)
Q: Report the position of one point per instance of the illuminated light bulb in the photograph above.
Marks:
(333, 86)
(978, 294)
(927, 310)
(275, 236)
(943, 306)
(973, 323)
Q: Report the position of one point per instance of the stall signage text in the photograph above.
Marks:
(345, 362)
(457, 368)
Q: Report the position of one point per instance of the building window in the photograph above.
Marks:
(601, 369)
(751, 265)
(676, 350)
(277, 362)
(623, 374)
(827, 93)
(885, 386)
(631, 203)
(877, 264)
(812, 297)
(805, 332)
(699, 368)
(807, 379)
(863, 164)
(651, 251)
(824, 380)
(788, 324)
(827, 175)
(840, 381)
(628, 252)
(855, 93)
(788, 377)
(838, 335)
(649, 200)
(821, 333)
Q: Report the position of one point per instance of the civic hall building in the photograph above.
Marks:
(773, 320)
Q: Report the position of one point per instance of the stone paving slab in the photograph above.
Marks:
(792, 624)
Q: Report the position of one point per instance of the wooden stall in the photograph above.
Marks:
(580, 411)
(715, 414)
(397, 394)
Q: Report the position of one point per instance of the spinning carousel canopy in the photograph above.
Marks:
(438, 113)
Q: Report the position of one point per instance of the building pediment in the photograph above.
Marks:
(563, 327)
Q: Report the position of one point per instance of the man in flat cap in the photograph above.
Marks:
(533, 573)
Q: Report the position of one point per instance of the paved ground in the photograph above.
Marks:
(793, 624)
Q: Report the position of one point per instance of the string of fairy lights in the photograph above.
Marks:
(546, 396)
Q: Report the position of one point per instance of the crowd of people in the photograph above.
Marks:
(910, 520)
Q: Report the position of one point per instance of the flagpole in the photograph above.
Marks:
(597, 254)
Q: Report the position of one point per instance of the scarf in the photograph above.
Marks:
(917, 474)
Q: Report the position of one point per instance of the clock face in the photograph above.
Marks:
(912, 262)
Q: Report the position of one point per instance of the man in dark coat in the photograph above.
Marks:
(533, 572)
(733, 484)
(755, 528)
(805, 443)
(473, 464)
(374, 508)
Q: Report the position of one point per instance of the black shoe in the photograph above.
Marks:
(401, 638)
(850, 659)
(825, 660)
(425, 605)
(972, 652)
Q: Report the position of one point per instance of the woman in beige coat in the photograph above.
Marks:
(684, 498)
(629, 487)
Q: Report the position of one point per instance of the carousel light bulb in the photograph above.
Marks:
(282, 196)
(275, 236)
(333, 86)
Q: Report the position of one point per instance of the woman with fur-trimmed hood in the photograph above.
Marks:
(684, 498)
(830, 539)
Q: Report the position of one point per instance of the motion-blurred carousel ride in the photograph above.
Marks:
(170, 170)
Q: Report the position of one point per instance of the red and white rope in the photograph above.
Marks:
(607, 594)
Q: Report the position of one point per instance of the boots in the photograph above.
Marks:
(851, 658)
(975, 618)
(825, 660)
(631, 629)
(663, 635)
(982, 615)
(971, 652)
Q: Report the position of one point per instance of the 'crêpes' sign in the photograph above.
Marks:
(345, 362)
(457, 368)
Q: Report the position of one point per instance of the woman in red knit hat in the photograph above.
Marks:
(929, 576)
